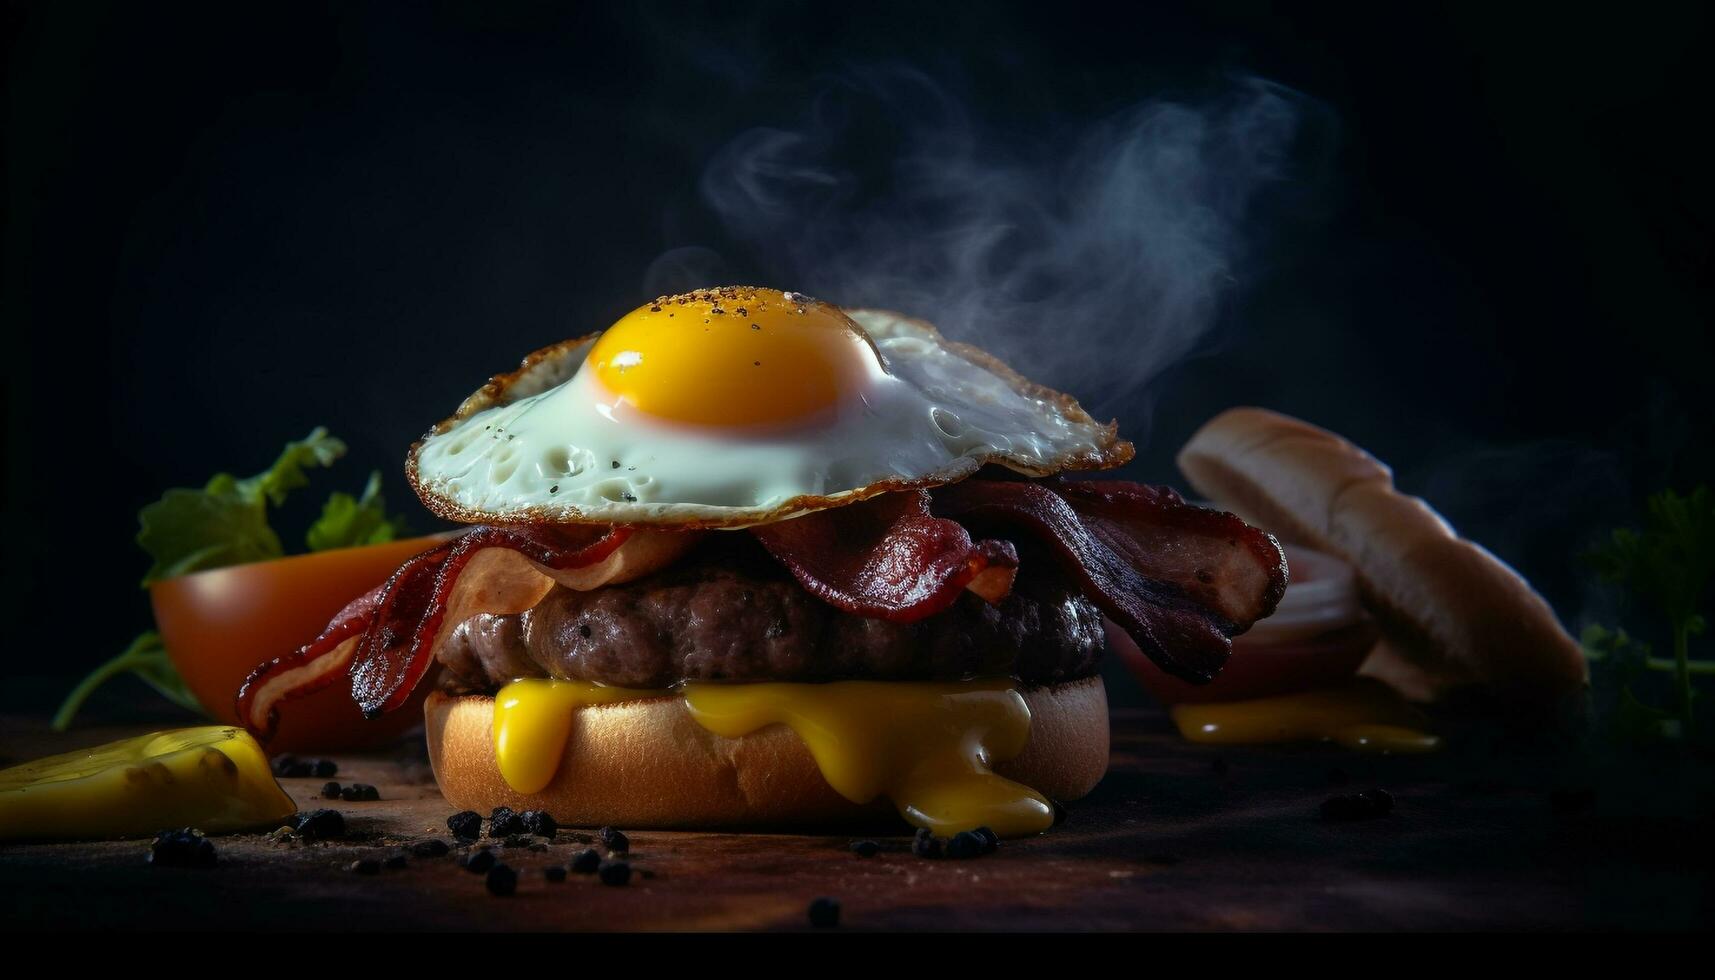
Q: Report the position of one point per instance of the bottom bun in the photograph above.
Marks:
(649, 764)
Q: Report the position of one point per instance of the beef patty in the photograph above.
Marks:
(729, 612)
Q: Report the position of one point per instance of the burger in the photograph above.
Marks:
(746, 559)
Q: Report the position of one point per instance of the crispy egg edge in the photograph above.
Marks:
(545, 368)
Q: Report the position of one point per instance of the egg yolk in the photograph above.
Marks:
(734, 356)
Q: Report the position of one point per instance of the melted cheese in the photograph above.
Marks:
(533, 719)
(1363, 715)
(213, 778)
(927, 747)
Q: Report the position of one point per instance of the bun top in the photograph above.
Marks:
(1459, 617)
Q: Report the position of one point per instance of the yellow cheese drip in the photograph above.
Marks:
(1364, 715)
(213, 778)
(532, 720)
(925, 746)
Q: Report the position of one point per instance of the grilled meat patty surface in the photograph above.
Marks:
(729, 612)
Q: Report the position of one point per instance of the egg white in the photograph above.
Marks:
(541, 447)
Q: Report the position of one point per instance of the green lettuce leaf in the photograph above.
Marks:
(348, 522)
(226, 522)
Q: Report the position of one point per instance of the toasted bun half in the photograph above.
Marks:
(648, 764)
(1455, 617)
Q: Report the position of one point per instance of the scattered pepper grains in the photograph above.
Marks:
(925, 844)
(321, 825)
(502, 880)
(503, 823)
(182, 848)
(466, 824)
(615, 873)
(964, 844)
(614, 839)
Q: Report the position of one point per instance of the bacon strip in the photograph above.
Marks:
(889, 558)
(1220, 562)
(387, 639)
(1180, 580)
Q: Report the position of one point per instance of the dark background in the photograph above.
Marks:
(225, 225)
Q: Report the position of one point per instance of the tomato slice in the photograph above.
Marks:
(219, 625)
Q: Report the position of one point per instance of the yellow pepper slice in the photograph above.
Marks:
(214, 778)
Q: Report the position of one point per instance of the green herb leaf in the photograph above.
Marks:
(1671, 562)
(1669, 565)
(147, 658)
(348, 522)
(226, 522)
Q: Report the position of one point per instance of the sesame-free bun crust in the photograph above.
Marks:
(648, 764)
(1455, 616)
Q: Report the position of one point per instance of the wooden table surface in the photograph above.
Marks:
(1176, 837)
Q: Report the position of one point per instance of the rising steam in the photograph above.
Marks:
(1093, 259)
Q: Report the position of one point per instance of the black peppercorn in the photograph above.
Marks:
(925, 844)
(503, 823)
(465, 825)
(539, 822)
(964, 844)
(615, 872)
(586, 861)
(321, 824)
(502, 880)
(183, 848)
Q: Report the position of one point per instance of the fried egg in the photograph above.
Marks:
(738, 406)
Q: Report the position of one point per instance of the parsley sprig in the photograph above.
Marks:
(1669, 565)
